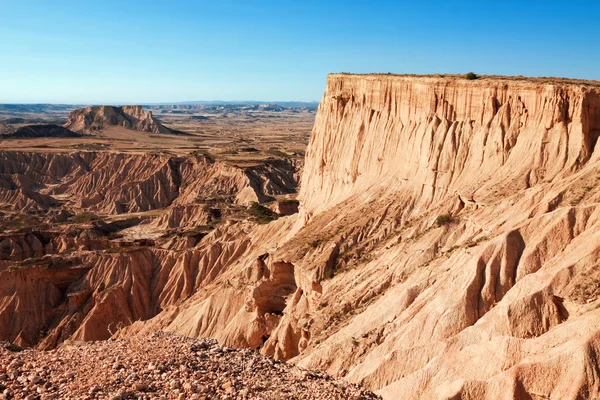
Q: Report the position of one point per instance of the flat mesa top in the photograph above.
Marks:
(479, 78)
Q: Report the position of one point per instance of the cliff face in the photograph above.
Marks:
(96, 118)
(459, 222)
(447, 243)
(433, 136)
(446, 247)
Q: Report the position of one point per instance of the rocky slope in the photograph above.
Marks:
(75, 263)
(446, 244)
(161, 366)
(96, 118)
(114, 183)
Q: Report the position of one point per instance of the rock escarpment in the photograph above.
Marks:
(116, 183)
(96, 118)
(433, 135)
(471, 275)
(75, 264)
(446, 245)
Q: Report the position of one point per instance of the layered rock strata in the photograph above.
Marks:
(446, 245)
(97, 118)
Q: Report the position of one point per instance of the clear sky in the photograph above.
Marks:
(127, 51)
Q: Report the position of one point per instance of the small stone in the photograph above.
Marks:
(227, 385)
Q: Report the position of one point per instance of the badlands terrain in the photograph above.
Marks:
(443, 243)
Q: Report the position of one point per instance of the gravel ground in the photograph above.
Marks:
(160, 366)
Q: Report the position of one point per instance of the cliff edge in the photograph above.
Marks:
(447, 246)
(434, 135)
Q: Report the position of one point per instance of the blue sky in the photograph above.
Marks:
(166, 51)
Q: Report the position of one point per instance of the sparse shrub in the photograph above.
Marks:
(20, 224)
(471, 76)
(315, 243)
(199, 229)
(288, 201)
(262, 214)
(114, 235)
(366, 258)
(85, 218)
(277, 153)
(444, 219)
(215, 214)
(451, 249)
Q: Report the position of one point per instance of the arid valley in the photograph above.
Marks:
(435, 238)
(299, 200)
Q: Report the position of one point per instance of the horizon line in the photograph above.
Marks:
(185, 102)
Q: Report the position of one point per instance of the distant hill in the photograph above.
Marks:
(13, 120)
(236, 109)
(92, 119)
(40, 131)
(35, 108)
(286, 104)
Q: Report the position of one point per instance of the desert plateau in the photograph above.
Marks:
(462, 265)
(197, 202)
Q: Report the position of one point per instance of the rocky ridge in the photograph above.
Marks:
(68, 227)
(446, 246)
(119, 183)
(451, 254)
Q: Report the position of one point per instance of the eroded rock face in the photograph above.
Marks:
(462, 281)
(85, 268)
(446, 244)
(91, 119)
(119, 183)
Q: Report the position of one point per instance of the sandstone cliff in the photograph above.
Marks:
(96, 118)
(466, 253)
(446, 246)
